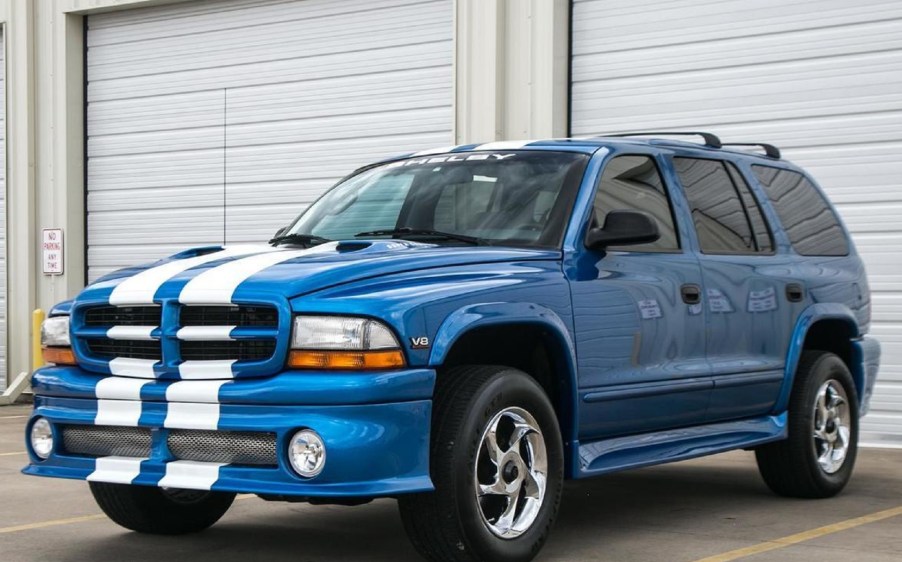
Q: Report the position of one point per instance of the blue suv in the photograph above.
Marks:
(464, 328)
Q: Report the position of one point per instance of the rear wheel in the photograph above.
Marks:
(817, 458)
(160, 511)
(497, 466)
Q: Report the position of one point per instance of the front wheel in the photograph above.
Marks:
(160, 511)
(817, 457)
(497, 466)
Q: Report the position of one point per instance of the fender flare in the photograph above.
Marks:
(810, 316)
(482, 315)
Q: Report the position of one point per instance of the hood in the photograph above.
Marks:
(247, 274)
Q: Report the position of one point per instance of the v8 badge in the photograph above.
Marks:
(419, 343)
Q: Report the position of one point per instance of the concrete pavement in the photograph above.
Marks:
(680, 512)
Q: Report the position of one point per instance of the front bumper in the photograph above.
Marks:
(376, 436)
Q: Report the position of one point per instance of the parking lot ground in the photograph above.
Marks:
(715, 508)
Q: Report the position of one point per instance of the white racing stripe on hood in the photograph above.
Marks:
(217, 285)
(191, 475)
(140, 288)
(117, 470)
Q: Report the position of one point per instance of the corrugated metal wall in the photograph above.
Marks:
(3, 344)
(300, 92)
(822, 79)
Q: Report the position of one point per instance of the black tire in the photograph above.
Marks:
(449, 524)
(160, 512)
(790, 467)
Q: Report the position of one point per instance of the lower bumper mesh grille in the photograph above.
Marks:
(105, 441)
(230, 447)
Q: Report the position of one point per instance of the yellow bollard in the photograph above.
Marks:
(37, 358)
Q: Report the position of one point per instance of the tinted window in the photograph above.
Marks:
(717, 212)
(634, 183)
(809, 221)
(756, 218)
(505, 198)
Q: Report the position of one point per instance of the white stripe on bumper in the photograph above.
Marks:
(191, 415)
(218, 369)
(117, 470)
(117, 388)
(118, 412)
(194, 391)
(191, 475)
(130, 367)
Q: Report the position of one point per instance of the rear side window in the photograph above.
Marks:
(634, 183)
(759, 224)
(810, 223)
(719, 215)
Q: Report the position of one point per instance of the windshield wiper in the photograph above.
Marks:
(408, 231)
(306, 240)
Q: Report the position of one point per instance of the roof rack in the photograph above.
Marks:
(710, 139)
(769, 149)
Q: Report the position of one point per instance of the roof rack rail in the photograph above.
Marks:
(769, 149)
(710, 139)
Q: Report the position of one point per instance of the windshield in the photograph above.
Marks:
(496, 198)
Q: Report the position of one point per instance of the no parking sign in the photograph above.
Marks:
(52, 251)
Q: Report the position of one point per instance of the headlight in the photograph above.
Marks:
(342, 342)
(55, 332)
(341, 333)
(55, 345)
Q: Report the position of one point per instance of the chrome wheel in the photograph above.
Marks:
(832, 426)
(511, 473)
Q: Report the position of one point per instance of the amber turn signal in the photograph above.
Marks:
(58, 355)
(346, 360)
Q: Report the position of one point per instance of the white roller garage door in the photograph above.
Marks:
(820, 78)
(298, 92)
(2, 212)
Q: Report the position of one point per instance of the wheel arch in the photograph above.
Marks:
(827, 327)
(525, 336)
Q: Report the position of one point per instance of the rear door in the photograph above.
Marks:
(639, 322)
(750, 297)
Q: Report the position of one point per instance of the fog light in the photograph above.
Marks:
(41, 438)
(307, 453)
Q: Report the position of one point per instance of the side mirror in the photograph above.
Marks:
(623, 228)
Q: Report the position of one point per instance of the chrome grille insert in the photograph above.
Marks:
(256, 448)
(105, 441)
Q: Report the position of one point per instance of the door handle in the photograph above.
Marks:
(795, 292)
(691, 293)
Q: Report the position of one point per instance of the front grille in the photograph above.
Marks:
(184, 333)
(240, 350)
(108, 316)
(229, 447)
(105, 441)
(135, 349)
(246, 316)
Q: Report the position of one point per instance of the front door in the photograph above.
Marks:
(639, 316)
